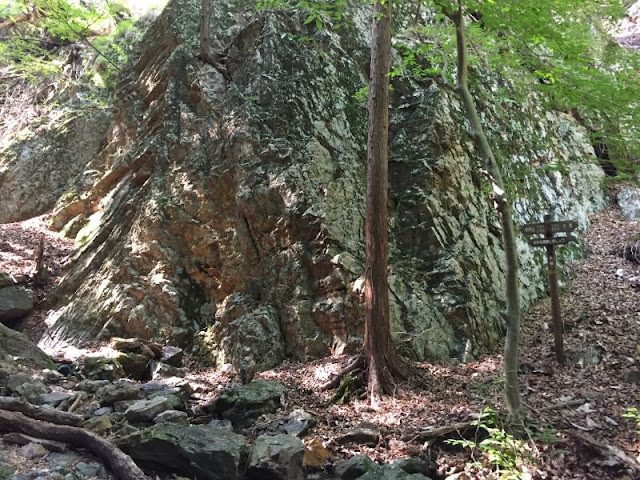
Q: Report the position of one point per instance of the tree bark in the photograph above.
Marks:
(46, 414)
(120, 463)
(512, 314)
(205, 40)
(382, 360)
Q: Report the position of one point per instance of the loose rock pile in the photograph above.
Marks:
(136, 397)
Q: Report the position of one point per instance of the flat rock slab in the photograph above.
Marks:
(147, 410)
(15, 302)
(197, 450)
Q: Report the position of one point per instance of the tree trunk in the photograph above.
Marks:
(379, 351)
(512, 314)
(205, 13)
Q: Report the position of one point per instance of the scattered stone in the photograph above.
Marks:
(100, 425)
(172, 356)
(629, 202)
(118, 392)
(23, 384)
(355, 467)
(194, 451)
(586, 356)
(17, 380)
(33, 450)
(224, 424)
(172, 416)
(146, 410)
(102, 411)
(101, 368)
(15, 302)
(122, 405)
(416, 465)
(250, 401)
(134, 365)
(88, 470)
(21, 350)
(315, 453)
(92, 386)
(175, 401)
(162, 370)
(175, 385)
(277, 457)
(299, 423)
(22, 439)
(126, 429)
(54, 398)
(6, 470)
(391, 472)
(361, 436)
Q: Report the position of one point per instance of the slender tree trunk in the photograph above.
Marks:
(205, 41)
(205, 13)
(512, 314)
(382, 360)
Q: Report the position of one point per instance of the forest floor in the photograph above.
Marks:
(566, 404)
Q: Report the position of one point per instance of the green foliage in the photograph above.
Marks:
(362, 94)
(500, 450)
(319, 13)
(634, 414)
(35, 47)
(571, 60)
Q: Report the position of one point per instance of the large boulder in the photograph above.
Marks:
(51, 160)
(249, 401)
(15, 302)
(276, 457)
(201, 451)
(19, 349)
(629, 202)
(247, 182)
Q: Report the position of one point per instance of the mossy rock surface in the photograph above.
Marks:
(250, 401)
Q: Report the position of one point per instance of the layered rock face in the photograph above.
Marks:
(229, 212)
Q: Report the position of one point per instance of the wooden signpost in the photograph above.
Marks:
(548, 228)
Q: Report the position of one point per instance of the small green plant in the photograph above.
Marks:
(362, 94)
(634, 414)
(500, 450)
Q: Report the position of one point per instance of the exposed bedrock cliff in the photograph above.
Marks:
(229, 212)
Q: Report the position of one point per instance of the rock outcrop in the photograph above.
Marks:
(229, 205)
(50, 160)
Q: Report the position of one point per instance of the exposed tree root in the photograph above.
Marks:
(45, 414)
(120, 464)
(359, 370)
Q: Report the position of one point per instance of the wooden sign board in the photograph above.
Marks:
(554, 227)
(545, 242)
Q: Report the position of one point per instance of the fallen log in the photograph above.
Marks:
(120, 463)
(606, 450)
(45, 414)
